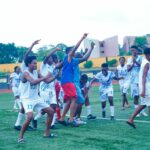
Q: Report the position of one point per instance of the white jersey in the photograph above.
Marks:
(23, 67)
(147, 92)
(16, 78)
(123, 72)
(134, 73)
(44, 70)
(28, 90)
(105, 81)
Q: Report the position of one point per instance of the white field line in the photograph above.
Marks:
(139, 121)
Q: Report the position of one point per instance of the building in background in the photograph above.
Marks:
(106, 48)
(128, 41)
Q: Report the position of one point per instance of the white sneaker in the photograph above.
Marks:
(144, 114)
(79, 121)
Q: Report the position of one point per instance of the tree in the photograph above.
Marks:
(8, 53)
(140, 42)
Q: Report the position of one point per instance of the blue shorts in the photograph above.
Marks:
(80, 98)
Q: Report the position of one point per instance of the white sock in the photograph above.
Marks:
(112, 110)
(19, 118)
(135, 106)
(37, 116)
(54, 118)
(88, 110)
(15, 104)
(18, 103)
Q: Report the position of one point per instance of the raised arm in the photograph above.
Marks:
(50, 54)
(87, 54)
(30, 49)
(145, 72)
(71, 53)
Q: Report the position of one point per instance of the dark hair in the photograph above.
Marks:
(29, 59)
(78, 55)
(68, 49)
(15, 68)
(104, 65)
(135, 47)
(54, 56)
(84, 76)
(122, 57)
(147, 51)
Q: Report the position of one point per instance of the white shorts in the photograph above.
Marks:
(134, 90)
(124, 88)
(15, 91)
(104, 94)
(49, 97)
(31, 105)
(145, 101)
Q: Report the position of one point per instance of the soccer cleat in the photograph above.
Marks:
(29, 128)
(73, 124)
(131, 124)
(103, 114)
(18, 128)
(53, 127)
(90, 117)
(122, 108)
(51, 135)
(112, 118)
(144, 114)
(138, 115)
(62, 122)
(79, 121)
(21, 141)
(34, 123)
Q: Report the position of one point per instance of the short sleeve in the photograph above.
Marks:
(97, 76)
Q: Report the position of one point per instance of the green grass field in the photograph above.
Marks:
(95, 135)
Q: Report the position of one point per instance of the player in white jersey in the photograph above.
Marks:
(122, 71)
(84, 85)
(47, 90)
(105, 78)
(144, 88)
(23, 68)
(30, 98)
(134, 65)
(15, 78)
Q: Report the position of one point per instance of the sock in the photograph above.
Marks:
(37, 116)
(58, 113)
(88, 110)
(54, 118)
(112, 110)
(135, 106)
(19, 118)
(18, 103)
(103, 109)
(15, 104)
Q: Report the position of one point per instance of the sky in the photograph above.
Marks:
(65, 21)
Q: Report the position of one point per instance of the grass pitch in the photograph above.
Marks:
(95, 135)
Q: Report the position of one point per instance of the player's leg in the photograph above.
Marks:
(112, 109)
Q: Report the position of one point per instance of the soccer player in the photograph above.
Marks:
(80, 99)
(15, 78)
(122, 71)
(134, 64)
(30, 98)
(47, 90)
(23, 68)
(144, 87)
(70, 95)
(105, 78)
(84, 85)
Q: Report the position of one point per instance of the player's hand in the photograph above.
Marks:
(92, 45)
(85, 35)
(36, 42)
(57, 49)
(142, 94)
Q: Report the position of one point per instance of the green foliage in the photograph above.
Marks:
(88, 64)
(112, 63)
(140, 41)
